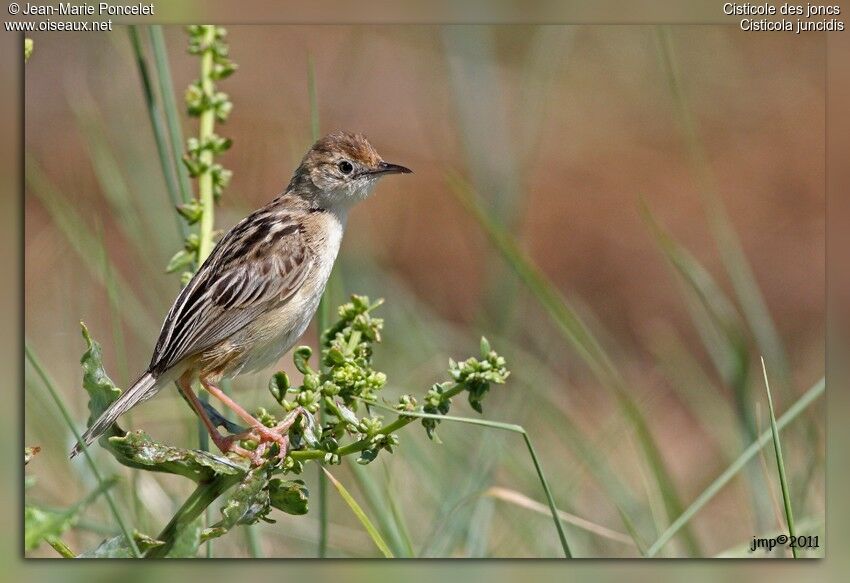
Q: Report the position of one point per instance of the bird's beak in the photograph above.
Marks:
(387, 168)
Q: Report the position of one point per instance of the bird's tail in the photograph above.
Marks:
(144, 388)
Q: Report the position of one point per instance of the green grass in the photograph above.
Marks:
(748, 454)
(780, 462)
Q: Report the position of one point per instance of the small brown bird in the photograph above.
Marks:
(254, 296)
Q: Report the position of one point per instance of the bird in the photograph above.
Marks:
(254, 296)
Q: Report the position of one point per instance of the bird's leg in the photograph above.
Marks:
(264, 433)
(224, 444)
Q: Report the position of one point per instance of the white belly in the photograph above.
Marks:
(278, 331)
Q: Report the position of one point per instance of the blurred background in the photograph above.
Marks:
(669, 185)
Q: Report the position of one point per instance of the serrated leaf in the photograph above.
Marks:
(137, 450)
(102, 391)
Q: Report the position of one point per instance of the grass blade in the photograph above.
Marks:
(166, 90)
(384, 514)
(523, 501)
(361, 516)
(724, 337)
(155, 116)
(732, 255)
(792, 413)
(780, 463)
(66, 415)
(576, 333)
(714, 315)
(252, 539)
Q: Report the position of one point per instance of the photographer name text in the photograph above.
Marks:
(99, 9)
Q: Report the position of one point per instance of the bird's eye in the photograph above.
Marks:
(345, 167)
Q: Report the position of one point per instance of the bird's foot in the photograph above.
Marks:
(230, 444)
(264, 436)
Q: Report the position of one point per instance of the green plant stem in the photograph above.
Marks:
(63, 409)
(780, 463)
(724, 478)
(169, 105)
(203, 496)
(207, 128)
(205, 187)
(251, 537)
(159, 135)
(60, 547)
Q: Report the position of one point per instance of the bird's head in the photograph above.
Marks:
(340, 170)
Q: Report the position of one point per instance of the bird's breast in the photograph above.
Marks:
(269, 336)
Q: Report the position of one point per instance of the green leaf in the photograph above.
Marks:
(278, 385)
(102, 391)
(301, 358)
(41, 524)
(290, 496)
(361, 516)
(485, 347)
(180, 260)
(137, 450)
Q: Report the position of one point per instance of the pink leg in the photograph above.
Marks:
(224, 444)
(264, 433)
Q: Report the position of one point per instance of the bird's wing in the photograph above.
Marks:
(259, 263)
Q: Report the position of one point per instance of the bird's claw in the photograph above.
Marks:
(264, 436)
